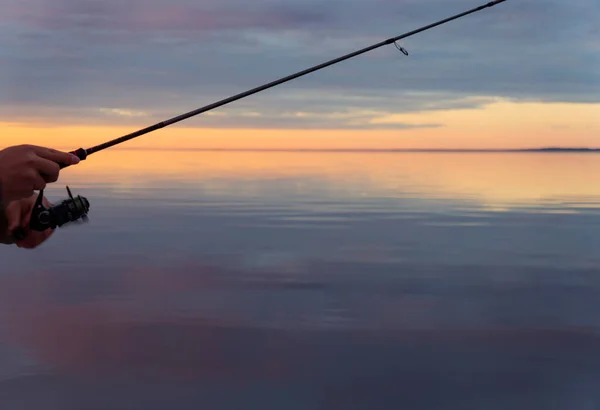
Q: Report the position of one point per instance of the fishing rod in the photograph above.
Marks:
(73, 209)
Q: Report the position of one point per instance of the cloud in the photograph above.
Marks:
(154, 15)
(71, 59)
(122, 112)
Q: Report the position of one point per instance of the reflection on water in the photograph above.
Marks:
(289, 280)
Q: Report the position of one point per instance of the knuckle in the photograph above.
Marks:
(18, 149)
(30, 157)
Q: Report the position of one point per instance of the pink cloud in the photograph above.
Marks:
(136, 15)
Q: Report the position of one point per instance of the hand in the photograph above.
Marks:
(18, 214)
(25, 168)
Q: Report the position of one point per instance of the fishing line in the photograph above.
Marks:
(74, 209)
(84, 153)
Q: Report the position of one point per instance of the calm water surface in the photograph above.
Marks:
(279, 280)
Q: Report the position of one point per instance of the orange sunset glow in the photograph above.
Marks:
(495, 180)
(501, 125)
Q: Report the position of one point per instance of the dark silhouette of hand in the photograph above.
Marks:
(18, 214)
(26, 168)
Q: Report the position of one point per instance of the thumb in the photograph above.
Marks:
(59, 157)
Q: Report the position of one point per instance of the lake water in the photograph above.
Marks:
(311, 280)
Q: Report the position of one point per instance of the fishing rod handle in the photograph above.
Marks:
(79, 153)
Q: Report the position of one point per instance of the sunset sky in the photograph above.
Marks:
(524, 73)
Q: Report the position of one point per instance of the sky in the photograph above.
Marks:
(521, 74)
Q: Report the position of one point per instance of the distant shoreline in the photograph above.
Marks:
(367, 150)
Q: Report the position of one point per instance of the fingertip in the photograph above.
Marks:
(74, 159)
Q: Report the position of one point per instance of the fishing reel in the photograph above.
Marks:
(71, 210)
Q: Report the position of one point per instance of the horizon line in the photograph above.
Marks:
(382, 150)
